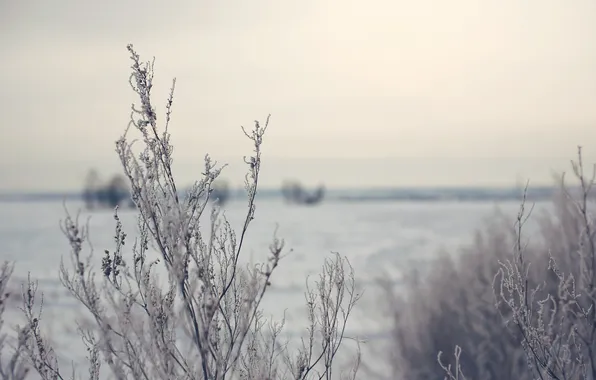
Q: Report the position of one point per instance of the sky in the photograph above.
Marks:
(362, 94)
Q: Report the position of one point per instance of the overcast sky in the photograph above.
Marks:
(362, 93)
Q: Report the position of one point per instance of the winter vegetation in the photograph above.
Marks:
(176, 302)
(13, 363)
(510, 305)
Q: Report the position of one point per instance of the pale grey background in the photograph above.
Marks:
(375, 93)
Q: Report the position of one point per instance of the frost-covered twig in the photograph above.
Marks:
(204, 321)
(12, 363)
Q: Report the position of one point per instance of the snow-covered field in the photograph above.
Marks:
(377, 237)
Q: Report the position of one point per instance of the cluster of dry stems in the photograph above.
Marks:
(513, 304)
(505, 318)
(204, 321)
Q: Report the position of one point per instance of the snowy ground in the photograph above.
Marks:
(377, 238)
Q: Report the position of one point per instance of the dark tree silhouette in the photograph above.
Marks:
(220, 193)
(294, 192)
(114, 193)
(92, 186)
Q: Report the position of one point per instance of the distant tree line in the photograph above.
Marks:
(109, 194)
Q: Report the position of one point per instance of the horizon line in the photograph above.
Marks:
(329, 188)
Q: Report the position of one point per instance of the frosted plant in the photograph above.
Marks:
(204, 320)
(443, 316)
(556, 318)
(506, 307)
(12, 364)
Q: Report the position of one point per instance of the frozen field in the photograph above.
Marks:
(376, 237)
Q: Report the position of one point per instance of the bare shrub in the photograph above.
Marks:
(452, 305)
(12, 363)
(203, 320)
(555, 318)
(502, 317)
